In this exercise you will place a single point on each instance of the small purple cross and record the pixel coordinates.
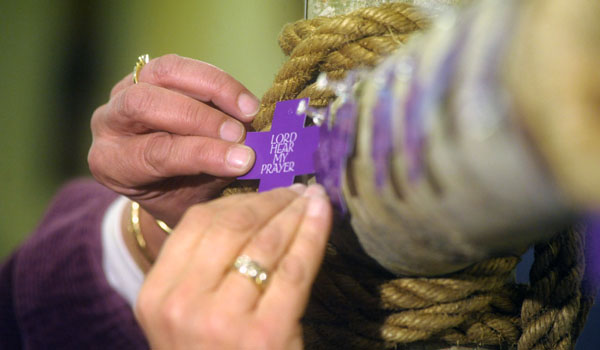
(284, 152)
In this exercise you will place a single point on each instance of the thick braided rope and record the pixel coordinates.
(335, 45)
(355, 307)
(557, 304)
(332, 45)
(368, 309)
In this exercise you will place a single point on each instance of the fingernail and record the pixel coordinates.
(298, 188)
(314, 190)
(231, 131)
(248, 104)
(316, 206)
(239, 157)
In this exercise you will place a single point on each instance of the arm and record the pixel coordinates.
(60, 296)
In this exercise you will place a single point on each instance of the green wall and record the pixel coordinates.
(48, 90)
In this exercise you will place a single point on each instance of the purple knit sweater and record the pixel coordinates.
(53, 291)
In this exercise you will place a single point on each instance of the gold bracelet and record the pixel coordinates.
(137, 232)
(164, 226)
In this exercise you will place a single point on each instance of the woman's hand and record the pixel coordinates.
(193, 299)
(172, 140)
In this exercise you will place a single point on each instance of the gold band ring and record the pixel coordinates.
(251, 269)
(141, 61)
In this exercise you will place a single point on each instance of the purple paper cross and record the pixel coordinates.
(284, 152)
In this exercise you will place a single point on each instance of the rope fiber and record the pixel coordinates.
(359, 307)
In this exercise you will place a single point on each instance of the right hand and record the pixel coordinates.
(172, 140)
(192, 299)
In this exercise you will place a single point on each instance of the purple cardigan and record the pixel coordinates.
(53, 291)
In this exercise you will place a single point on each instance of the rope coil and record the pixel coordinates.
(479, 306)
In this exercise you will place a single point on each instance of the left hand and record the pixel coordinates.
(193, 299)
(174, 139)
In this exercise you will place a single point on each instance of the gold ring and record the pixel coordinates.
(251, 269)
(141, 61)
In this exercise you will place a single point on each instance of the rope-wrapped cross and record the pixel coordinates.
(359, 307)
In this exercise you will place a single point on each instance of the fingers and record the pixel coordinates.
(177, 251)
(171, 299)
(144, 107)
(285, 298)
(124, 83)
(163, 128)
(266, 247)
(180, 271)
(156, 156)
(189, 297)
(230, 230)
(199, 80)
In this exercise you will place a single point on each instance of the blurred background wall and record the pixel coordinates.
(59, 60)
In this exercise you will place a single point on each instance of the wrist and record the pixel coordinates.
(152, 233)
(142, 235)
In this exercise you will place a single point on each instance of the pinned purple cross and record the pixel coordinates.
(284, 152)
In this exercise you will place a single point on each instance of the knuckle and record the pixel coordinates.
(100, 168)
(241, 219)
(133, 101)
(163, 68)
(220, 81)
(217, 79)
(115, 89)
(191, 115)
(156, 154)
(95, 122)
(146, 304)
(269, 239)
(210, 151)
(215, 327)
(94, 162)
(172, 312)
(293, 270)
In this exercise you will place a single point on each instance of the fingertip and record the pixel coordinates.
(298, 188)
(318, 206)
(315, 190)
(248, 104)
(240, 158)
(231, 131)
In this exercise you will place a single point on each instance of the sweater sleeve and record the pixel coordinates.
(9, 332)
(55, 286)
